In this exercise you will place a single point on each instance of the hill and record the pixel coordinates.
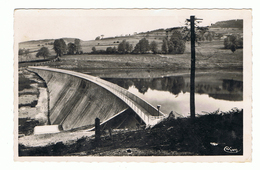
(229, 24)
(43, 41)
(215, 32)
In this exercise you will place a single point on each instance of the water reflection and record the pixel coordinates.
(225, 89)
(212, 92)
(215, 89)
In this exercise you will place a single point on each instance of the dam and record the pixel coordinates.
(76, 99)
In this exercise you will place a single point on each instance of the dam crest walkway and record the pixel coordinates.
(147, 112)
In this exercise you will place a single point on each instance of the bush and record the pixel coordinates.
(233, 42)
(109, 50)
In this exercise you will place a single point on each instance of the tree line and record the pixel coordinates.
(61, 48)
(173, 45)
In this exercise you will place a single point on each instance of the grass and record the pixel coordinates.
(209, 55)
(224, 129)
(206, 135)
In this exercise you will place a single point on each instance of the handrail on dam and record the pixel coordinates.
(147, 112)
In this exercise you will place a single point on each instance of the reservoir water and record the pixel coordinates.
(215, 90)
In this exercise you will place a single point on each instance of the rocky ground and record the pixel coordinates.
(32, 102)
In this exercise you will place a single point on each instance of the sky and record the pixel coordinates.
(87, 24)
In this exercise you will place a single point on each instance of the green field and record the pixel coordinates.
(34, 46)
(218, 30)
(209, 55)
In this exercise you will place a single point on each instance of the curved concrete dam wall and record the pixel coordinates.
(75, 102)
(76, 99)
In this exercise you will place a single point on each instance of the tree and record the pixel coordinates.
(154, 47)
(210, 37)
(125, 47)
(176, 47)
(114, 50)
(200, 33)
(24, 53)
(97, 38)
(233, 42)
(20, 52)
(109, 50)
(137, 48)
(78, 45)
(240, 42)
(59, 47)
(165, 46)
(71, 48)
(142, 46)
(227, 44)
(122, 47)
(176, 43)
(233, 48)
(130, 48)
(94, 50)
(44, 52)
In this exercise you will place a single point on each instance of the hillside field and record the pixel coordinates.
(209, 55)
(102, 44)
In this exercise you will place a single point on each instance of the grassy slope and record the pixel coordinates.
(206, 135)
(210, 55)
(156, 36)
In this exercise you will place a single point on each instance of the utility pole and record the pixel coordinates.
(192, 69)
(97, 132)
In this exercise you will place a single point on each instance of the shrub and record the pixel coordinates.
(109, 50)
(233, 42)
